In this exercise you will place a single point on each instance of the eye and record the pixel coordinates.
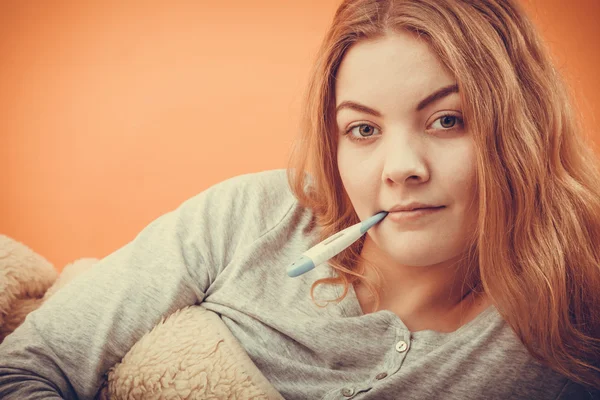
(447, 122)
(361, 131)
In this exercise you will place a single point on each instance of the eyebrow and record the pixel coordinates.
(435, 96)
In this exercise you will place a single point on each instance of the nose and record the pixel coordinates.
(405, 160)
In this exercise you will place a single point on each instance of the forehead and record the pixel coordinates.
(400, 64)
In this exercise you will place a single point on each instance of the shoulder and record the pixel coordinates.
(267, 189)
(262, 198)
(270, 182)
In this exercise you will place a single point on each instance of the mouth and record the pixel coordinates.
(413, 215)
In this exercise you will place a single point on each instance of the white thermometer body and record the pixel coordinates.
(333, 245)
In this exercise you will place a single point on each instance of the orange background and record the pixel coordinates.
(113, 113)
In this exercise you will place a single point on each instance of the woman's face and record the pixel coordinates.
(398, 145)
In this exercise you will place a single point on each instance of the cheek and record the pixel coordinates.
(464, 185)
(459, 169)
(346, 168)
(468, 177)
(358, 178)
(463, 181)
(352, 179)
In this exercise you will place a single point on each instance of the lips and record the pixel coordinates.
(414, 215)
(412, 206)
(415, 209)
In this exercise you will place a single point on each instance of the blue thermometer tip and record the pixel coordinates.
(369, 222)
(303, 265)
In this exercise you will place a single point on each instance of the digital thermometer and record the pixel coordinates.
(333, 245)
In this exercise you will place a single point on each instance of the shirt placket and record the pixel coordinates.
(393, 364)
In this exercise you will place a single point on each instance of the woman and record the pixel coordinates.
(492, 292)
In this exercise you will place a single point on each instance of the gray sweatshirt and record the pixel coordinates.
(228, 248)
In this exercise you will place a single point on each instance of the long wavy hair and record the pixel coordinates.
(537, 243)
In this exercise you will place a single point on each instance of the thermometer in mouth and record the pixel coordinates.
(333, 245)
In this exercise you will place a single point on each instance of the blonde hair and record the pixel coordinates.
(537, 244)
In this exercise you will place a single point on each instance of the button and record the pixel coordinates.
(347, 392)
(401, 346)
(381, 375)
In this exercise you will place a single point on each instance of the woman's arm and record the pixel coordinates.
(64, 348)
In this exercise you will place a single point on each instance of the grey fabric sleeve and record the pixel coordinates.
(64, 348)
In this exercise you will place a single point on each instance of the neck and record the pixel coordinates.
(437, 297)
